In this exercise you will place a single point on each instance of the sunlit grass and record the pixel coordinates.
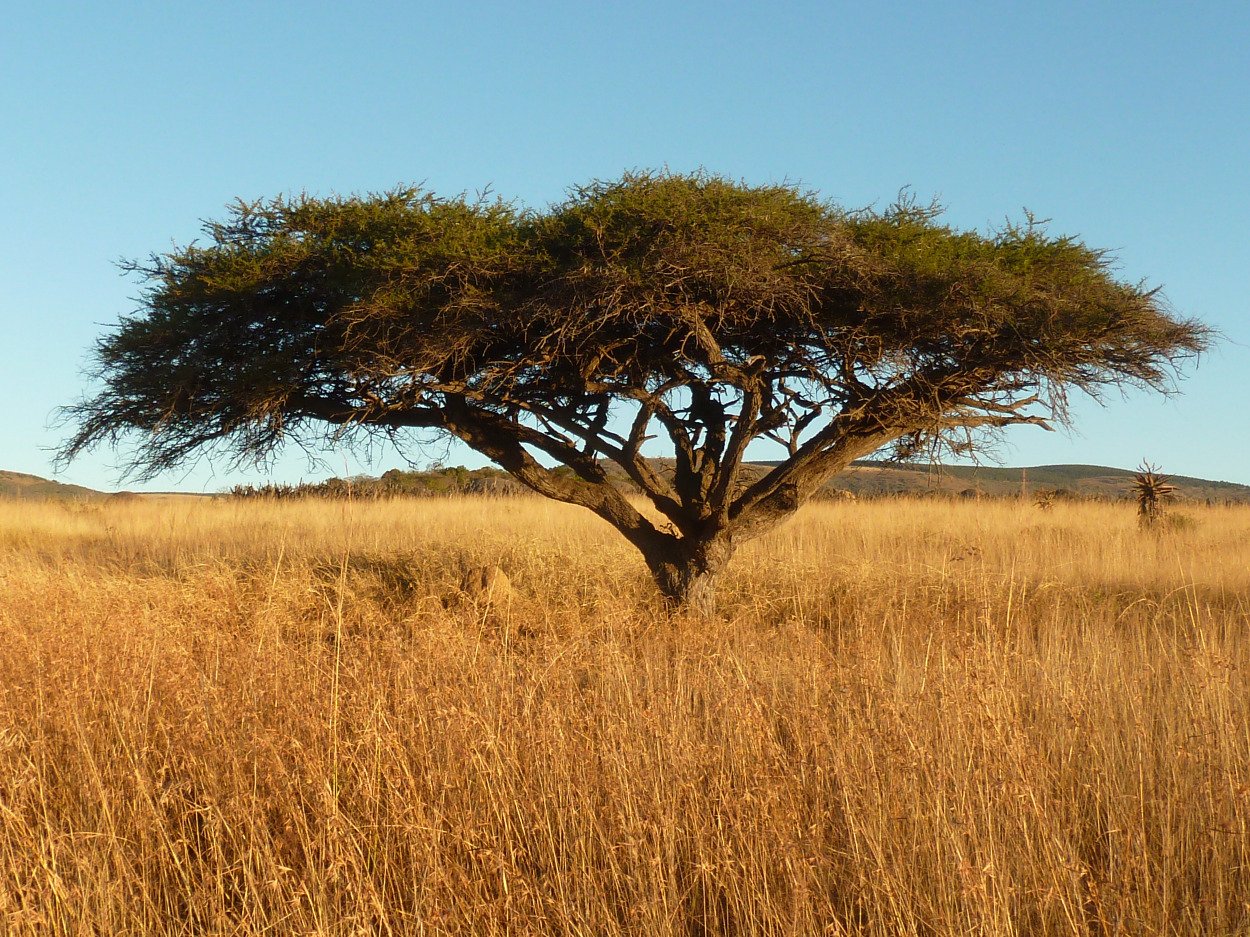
(912, 717)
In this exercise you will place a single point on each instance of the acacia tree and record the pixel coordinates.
(710, 312)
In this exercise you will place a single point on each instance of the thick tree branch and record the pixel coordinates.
(626, 455)
(497, 438)
(746, 428)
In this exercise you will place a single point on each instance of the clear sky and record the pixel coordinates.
(125, 124)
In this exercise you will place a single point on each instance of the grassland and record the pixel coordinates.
(912, 718)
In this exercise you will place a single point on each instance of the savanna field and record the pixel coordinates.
(910, 717)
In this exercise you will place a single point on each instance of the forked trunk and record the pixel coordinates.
(687, 572)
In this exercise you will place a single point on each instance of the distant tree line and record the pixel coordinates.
(458, 480)
(441, 481)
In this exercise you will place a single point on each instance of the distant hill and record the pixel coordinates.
(870, 477)
(19, 485)
(867, 478)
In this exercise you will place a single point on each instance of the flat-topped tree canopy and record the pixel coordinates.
(710, 311)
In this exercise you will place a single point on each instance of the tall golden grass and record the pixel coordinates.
(911, 718)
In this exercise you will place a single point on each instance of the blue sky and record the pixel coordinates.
(1126, 124)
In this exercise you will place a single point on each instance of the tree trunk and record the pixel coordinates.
(687, 571)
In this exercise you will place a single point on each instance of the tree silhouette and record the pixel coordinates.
(707, 312)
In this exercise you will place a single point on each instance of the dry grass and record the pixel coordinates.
(915, 718)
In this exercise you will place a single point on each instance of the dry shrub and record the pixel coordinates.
(1153, 491)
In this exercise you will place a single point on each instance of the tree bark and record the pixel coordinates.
(687, 571)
